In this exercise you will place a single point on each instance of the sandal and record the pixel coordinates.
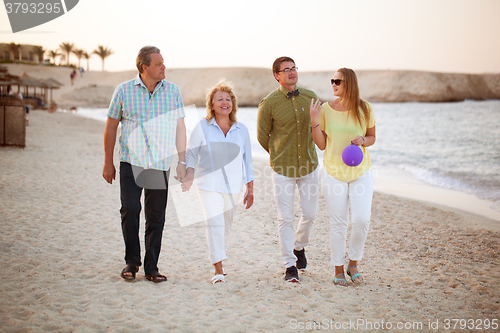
(132, 269)
(355, 275)
(218, 278)
(340, 282)
(156, 277)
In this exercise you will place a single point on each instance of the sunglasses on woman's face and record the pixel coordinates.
(336, 82)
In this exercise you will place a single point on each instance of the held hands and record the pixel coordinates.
(314, 110)
(181, 172)
(358, 141)
(187, 181)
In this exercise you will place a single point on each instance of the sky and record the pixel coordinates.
(460, 36)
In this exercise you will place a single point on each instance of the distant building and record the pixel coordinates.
(27, 53)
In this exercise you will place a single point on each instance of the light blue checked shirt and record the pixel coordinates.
(148, 122)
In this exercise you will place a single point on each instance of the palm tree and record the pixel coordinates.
(40, 52)
(15, 49)
(79, 54)
(67, 47)
(103, 52)
(54, 55)
(87, 56)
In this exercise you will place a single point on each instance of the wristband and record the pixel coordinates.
(315, 126)
(182, 162)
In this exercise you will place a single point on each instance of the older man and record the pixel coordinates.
(151, 113)
(284, 131)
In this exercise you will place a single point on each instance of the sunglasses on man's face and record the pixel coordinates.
(336, 82)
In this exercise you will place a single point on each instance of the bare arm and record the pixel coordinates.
(318, 135)
(369, 138)
(180, 144)
(110, 130)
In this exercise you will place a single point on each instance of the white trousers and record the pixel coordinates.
(284, 194)
(219, 209)
(338, 195)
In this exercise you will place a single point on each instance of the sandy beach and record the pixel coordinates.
(62, 250)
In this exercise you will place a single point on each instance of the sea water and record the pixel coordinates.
(450, 145)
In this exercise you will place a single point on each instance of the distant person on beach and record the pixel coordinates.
(222, 146)
(19, 96)
(152, 115)
(72, 76)
(81, 71)
(336, 124)
(284, 131)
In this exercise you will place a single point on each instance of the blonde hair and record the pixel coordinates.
(352, 100)
(223, 86)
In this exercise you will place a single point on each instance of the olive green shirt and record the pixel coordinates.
(284, 131)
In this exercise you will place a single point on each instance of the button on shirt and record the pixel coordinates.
(284, 131)
(222, 163)
(148, 122)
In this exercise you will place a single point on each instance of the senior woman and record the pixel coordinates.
(335, 125)
(219, 150)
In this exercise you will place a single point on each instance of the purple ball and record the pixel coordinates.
(352, 155)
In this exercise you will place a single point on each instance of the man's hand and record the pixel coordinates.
(109, 173)
(181, 172)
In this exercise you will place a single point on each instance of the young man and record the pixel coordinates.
(284, 131)
(151, 112)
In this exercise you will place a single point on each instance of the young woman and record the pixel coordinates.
(219, 150)
(335, 125)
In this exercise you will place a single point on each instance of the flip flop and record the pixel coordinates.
(156, 277)
(338, 282)
(132, 269)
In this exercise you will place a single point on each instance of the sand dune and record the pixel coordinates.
(95, 89)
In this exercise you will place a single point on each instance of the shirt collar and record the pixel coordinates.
(285, 91)
(138, 81)
(213, 122)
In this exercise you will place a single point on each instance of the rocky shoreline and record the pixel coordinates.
(95, 89)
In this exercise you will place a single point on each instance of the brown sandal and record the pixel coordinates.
(132, 269)
(156, 277)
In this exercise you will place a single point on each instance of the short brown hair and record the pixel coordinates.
(277, 63)
(223, 86)
(144, 56)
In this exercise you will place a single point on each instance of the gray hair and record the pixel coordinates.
(144, 56)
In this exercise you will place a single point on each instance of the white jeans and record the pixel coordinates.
(284, 194)
(339, 194)
(219, 211)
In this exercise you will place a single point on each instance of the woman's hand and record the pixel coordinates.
(248, 199)
(187, 181)
(358, 141)
(314, 110)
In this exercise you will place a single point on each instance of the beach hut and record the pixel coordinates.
(50, 84)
